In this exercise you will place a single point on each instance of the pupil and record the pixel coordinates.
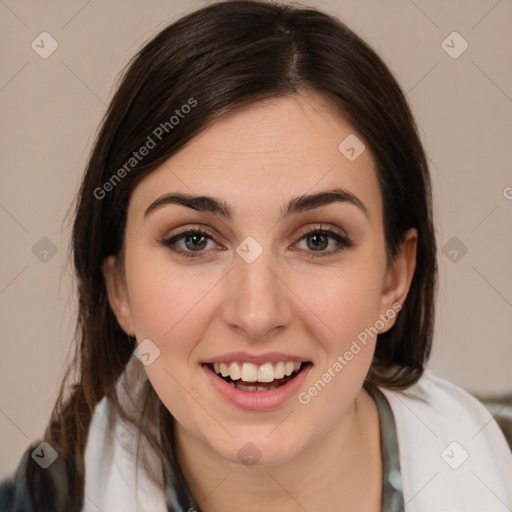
(315, 246)
(193, 245)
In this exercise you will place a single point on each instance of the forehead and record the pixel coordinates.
(265, 153)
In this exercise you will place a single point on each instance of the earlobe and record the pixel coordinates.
(399, 277)
(117, 294)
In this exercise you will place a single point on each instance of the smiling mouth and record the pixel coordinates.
(252, 377)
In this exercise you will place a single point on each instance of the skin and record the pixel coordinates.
(321, 455)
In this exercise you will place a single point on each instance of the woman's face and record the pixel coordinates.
(274, 279)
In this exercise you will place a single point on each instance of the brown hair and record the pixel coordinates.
(224, 56)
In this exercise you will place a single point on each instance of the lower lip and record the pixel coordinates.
(257, 400)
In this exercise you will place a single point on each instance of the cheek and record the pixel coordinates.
(345, 301)
(170, 307)
(164, 299)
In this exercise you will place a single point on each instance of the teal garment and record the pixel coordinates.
(392, 490)
(34, 489)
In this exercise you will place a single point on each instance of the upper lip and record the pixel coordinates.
(246, 357)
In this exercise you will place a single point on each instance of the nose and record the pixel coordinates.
(257, 303)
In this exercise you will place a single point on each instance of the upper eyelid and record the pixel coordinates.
(319, 227)
(193, 230)
(323, 227)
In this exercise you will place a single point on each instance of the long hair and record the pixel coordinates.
(216, 59)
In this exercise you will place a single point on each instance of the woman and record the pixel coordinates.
(256, 261)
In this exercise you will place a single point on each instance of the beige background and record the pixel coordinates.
(51, 108)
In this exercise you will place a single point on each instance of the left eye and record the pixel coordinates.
(317, 240)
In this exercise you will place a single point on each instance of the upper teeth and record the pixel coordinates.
(250, 372)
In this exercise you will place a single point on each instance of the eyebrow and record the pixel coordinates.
(222, 209)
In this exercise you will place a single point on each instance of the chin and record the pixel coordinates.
(263, 449)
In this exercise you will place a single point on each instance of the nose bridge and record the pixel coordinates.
(257, 302)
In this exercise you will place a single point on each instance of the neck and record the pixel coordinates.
(342, 471)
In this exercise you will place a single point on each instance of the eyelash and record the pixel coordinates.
(343, 241)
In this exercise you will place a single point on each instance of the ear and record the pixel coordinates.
(398, 279)
(117, 294)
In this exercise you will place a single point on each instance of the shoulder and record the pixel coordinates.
(18, 492)
(41, 485)
(450, 446)
(7, 492)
